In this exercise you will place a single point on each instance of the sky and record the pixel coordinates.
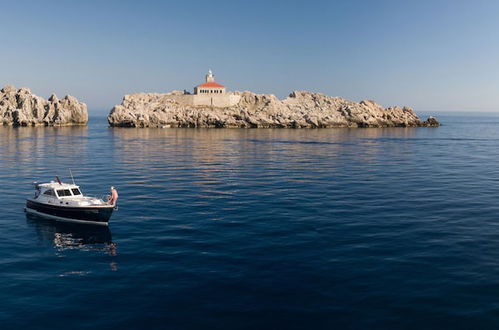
(438, 55)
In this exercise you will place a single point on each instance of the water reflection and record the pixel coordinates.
(216, 146)
(216, 156)
(217, 135)
(65, 236)
(220, 163)
(41, 146)
(26, 140)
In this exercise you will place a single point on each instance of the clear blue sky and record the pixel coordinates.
(431, 55)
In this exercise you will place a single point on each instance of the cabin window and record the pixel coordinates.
(49, 192)
(64, 192)
(76, 191)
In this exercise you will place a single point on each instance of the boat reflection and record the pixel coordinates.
(67, 236)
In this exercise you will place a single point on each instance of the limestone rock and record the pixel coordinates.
(431, 122)
(19, 107)
(301, 109)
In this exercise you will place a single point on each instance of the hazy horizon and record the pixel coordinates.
(429, 55)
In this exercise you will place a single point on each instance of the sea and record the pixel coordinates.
(369, 228)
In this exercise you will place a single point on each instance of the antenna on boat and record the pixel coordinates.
(72, 176)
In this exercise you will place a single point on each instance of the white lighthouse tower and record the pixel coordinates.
(210, 77)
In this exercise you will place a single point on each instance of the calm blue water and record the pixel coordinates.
(257, 229)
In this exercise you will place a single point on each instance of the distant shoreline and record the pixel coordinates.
(302, 109)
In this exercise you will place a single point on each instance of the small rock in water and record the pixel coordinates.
(431, 122)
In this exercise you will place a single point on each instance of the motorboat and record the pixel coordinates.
(65, 202)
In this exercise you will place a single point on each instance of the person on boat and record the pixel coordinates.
(114, 196)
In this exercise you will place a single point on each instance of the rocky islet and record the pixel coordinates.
(20, 107)
(302, 109)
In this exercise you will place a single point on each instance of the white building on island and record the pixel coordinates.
(209, 86)
(209, 93)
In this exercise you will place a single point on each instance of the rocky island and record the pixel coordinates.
(301, 109)
(212, 106)
(19, 107)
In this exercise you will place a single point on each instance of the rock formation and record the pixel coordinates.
(19, 107)
(300, 109)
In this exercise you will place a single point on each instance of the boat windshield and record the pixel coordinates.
(76, 191)
(49, 192)
(64, 192)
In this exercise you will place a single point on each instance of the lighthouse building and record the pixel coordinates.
(209, 93)
(209, 86)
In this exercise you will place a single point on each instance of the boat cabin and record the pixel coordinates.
(57, 190)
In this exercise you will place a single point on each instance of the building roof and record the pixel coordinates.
(211, 84)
